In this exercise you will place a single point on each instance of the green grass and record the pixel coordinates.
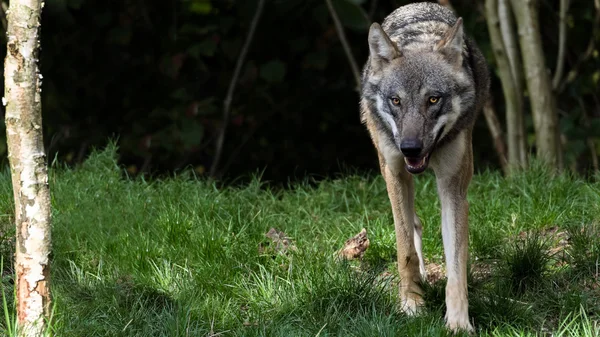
(180, 257)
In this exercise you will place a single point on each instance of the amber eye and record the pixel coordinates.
(395, 100)
(433, 99)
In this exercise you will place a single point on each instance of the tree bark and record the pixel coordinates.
(28, 166)
(497, 136)
(512, 96)
(234, 79)
(342, 36)
(562, 44)
(545, 116)
(509, 37)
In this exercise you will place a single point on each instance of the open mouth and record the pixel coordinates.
(416, 165)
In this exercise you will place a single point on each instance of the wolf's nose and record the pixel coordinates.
(411, 147)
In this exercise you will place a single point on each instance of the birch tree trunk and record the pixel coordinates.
(545, 116)
(28, 166)
(512, 95)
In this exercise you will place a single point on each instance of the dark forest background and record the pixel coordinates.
(153, 75)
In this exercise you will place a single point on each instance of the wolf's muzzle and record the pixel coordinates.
(411, 147)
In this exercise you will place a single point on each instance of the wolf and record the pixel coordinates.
(422, 88)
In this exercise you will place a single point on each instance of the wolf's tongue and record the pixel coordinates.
(414, 162)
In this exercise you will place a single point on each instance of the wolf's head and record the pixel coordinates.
(418, 94)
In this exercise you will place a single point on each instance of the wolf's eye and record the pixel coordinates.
(433, 99)
(395, 101)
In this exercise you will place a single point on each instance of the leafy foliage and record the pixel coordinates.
(155, 75)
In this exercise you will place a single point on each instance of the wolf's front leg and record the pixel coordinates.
(455, 209)
(454, 169)
(401, 193)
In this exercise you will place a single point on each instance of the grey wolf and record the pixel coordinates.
(423, 86)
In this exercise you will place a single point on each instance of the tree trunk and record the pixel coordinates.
(545, 116)
(512, 96)
(28, 166)
(509, 37)
(496, 132)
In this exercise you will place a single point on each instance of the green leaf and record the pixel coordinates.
(191, 133)
(75, 4)
(231, 48)
(120, 35)
(201, 7)
(299, 45)
(595, 127)
(102, 19)
(596, 75)
(273, 71)
(316, 59)
(351, 14)
(204, 48)
(180, 94)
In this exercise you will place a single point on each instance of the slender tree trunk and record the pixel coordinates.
(28, 166)
(589, 140)
(545, 116)
(562, 44)
(511, 46)
(342, 36)
(512, 96)
(496, 132)
(232, 85)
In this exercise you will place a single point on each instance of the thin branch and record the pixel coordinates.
(496, 132)
(447, 4)
(344, 41)
(273, 108)
(3, 9)
(515, 139)
(572, 75)
(516, 126)
(589, 140)
(511, 47)
(372, 9)
(562, 43)
(232, 84)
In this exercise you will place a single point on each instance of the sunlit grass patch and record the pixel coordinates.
(185, 257)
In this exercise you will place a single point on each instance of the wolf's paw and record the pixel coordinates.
(457, 325)
(412, 306)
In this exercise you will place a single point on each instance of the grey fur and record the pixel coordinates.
(423, 85)
(415, 30)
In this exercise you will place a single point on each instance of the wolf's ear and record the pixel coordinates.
(451, 45)
(381, 48)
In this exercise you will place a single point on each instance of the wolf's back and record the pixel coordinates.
(418, 25)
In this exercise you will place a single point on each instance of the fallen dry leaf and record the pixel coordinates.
(355, 247)
(280, 243)
(435, 272)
